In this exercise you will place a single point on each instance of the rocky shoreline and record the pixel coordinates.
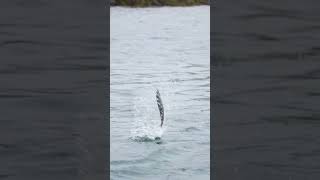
(147, 3)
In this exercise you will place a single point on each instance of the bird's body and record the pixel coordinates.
(160, 106)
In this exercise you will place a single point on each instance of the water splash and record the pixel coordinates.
(146, 123)
(146, 116)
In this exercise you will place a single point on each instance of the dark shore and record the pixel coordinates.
(148, 3)
(266, 97)
(53, 93)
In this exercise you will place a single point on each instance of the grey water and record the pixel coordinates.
(53, 90)
(165, 48)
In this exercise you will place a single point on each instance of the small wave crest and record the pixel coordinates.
(190, 129)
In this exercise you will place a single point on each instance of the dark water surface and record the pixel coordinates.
(267, 96)
(53, 90)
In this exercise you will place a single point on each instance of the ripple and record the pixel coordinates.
(191, 129)
(153, 55)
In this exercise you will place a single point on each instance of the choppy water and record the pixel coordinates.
(266, 104)
(169, 49)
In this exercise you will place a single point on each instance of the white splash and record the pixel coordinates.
(146, 122)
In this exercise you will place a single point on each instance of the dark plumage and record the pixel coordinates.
(160, 106)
